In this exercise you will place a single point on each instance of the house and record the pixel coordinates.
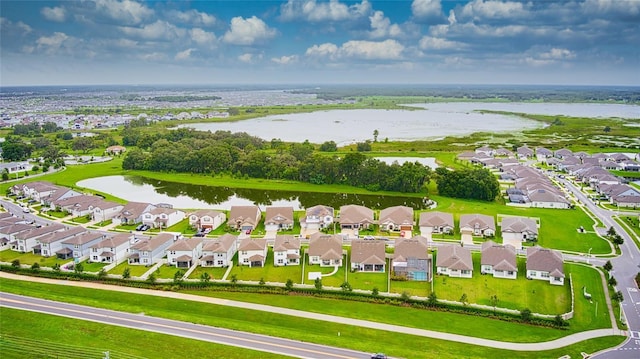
(435, 222)
(106, 210)
(368, 256)
(454, 261)
(184, 252)
(50, 243)
(112, 249)
(278, 219)
(500, 261)
(355, 217)
(115, 150)
(546, 198)
(131, 213)
(10, 231)
(244, 218)
(79, 246)
(37, 190)
(162, 217)
(325, 250)
(411, 260)
(15, 167)
(149, 251)
(397, 218)
(517, 229)
(207, 219)
(478, 225)
(524, 152)
(545, 264)
(286, 250)
(219, 252)
(77, 206)
(563, 153)
(28, 240)
(252, 252)
(317, 218)
(503, 152)
(484, 150)
(543, 153)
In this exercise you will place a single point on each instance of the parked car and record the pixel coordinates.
(206, 230)
(139, 227)
(378, 356)
(26, 209)
(145, 227)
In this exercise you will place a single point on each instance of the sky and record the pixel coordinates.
(85, 42)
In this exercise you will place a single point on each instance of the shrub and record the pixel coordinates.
(15, 263)
(289, 285)
(126, 273)
(375, 292)
(525, 315)
(35, 266)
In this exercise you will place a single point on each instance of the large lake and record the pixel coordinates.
(433, 121)
(190, 196)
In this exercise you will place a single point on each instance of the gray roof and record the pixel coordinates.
(454, 257)
(220, 245)
(83, 238)
(436, 219)
(409, 248)
(519, 225)
(206, 212)
(500, 257)
(319, 211)
(397, 215)
(483, 221)
(354, 213)
(249, 244)
(368, 252)
(545, 260)
(60, 235)
(326, 246)
(185, 244)
(133, 209)
(154, 242)
(250, 214)
(37, 232)
(115, 241)
(285, 242)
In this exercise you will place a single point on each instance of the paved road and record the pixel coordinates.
(625, 268)
(258, 342)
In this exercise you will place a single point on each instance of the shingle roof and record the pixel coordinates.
(454, 257)
(325, 246)
(519, 225)
(220, 245)
(285, 242)
(409, 248)
(283, 215)
(354, 213)
(58, 236)
(483, 221)
(185, 244)
(397, 215)
(436, 219)
(319, 211)
(83, 238)
(153, 243)
(500, 257)
(545, 260)
(249, 244)
(368, 252)
(250, 214)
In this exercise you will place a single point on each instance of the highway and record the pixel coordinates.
(280, 346)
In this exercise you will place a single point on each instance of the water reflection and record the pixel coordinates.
(184, 195)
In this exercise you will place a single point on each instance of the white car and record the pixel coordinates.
(26, 209)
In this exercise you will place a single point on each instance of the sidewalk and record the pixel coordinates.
(553, 344)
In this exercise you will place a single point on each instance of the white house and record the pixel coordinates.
(207, 218)
(27, 240)
(132, 212)
(106, 210)
(397, 218)
(219, 252)
(278, 219)
(545, 264)
(286, 251)
(49, 244)
(252, 252)
(517, 229)
(325, 250)
(149, 251)
(112, 249)
(499, 261)
(368, 256)
(10, 233)
(317, 218)
(161, 217)
(454, 261)
(79, 246)
(183, 253)
(435, 222)
(476, 225)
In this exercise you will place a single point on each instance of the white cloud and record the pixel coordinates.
(356, 49)
(381, 26)
(153, 56)
(481, 9)
(436, 43)
(246, 58)
(184, 55)
(192, 17)
(314, 11)
(558, 54)
(322, 50)
(285, 60)
(202, 37)
(58, 42)
(57, 14)
(123, 11)
(426, 8)
(248, 31)
(159, 30)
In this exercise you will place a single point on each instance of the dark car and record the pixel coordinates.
(139, 227)
(378, 356)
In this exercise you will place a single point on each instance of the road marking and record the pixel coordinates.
(151, 324)
(632, 290)
(634, 334)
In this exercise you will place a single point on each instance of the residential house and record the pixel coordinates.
(499, 261)
(50, 243)
(484, 150)
(252, 252)
(368, 256)
(112, 249)
(545, 264)
(278, 219)
(131, 213)
(106, 210)
(10, 231)
(38, 190)
(478, 225)
(244, 218)
(115, 150)
(77, 206)
(207, 219)
(524, 152)
(286, 250)
(411, 260)
(219, 252)
(503, 152)
(563, 153)
(454, 261)
(355, 217)
(517, 229)
(162, 217)
(79, 246)
(184, 252)
(435, 222)
(28, 240)
(149, 251)
(397, 218)
(15, 167)
(317, 218)
(543, 153)
(325, 250)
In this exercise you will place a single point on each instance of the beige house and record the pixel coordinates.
(278, 219)
(219, 252)
(317, 218)
(368, 256)
(244, 218)
(286, 251)
(354, 218)
(411, 260)
(499, 261)
(545, 264)
(476, 225)
(454, 261)
(252, 252)
(162, 217)
(132, 212)
(207, 218)
(397, 218)
(435, 223)
(325, 250)
(518, 229)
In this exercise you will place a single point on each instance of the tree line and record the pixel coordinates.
(471, 184)
(242, 155)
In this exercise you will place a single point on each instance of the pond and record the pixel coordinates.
(431, 122)
(190, 196)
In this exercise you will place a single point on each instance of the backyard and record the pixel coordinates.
(30, 258)
(134, 270)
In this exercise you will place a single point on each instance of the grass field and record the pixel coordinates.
(30, 258)
(134, 270)
(215, 273)
(92, 266)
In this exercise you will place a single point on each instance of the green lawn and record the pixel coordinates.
(80, 220)
(333, 281)
(134, 270)
(539, 296)
(30, 258)
(412, 288)
(269, 272)
(168, 271)
(93, 266)
(57, 214)
(215, 273)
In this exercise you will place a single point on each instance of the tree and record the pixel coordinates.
(618, 240)
(494, 302)
(5, 175)
(289, 285)
(35, 266)
(234, 279)
(363, 146)
(617, 296)
(375, 135)
(126, 273)
(177, 277)
(205, 277)
(469, 183)
(84, 144)
(608, 266)
(78, 268)
(607, 129)
(329, 146)
(15, 149)
(346, 287)
(558, 321)
(375, 291)
(56, 267)
(318, 283)
(611, 232)
(432, 300)
(102, 273)
(67, 136)
(262, 282)
(152, 278)
(525, 315)
(50, 127)
(464, 299)
(612, 281)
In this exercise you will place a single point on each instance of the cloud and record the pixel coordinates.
(481, 9)
(435, 43)
(381, 26)
(285, 60)
(424, 9)
(248, 31)
(314, 11)
(358, 49)
(192, 17)
(202, 37)
(56, 44)
(159, 30)
(246, 58)
(57, 14)
(184, 55)
(558, 54)
(125, 12)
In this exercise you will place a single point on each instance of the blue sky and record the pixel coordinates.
(594, 42)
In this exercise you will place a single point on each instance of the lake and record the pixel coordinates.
(190, 196)
(434, 121)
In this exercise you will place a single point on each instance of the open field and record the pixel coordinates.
(215, 273)
(30, 258)
(134, 270)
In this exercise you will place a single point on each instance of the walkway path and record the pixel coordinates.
(553, 344)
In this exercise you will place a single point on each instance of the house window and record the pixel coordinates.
(246, 260)
(510, 272)
(280, 261)
(466, 271)
(220, 262)
(94, 250)
(95, 258)
(145, 253)
(219, 255)
(144, 260)
(244, 253)
(76, 246)
(545, 275)
(173, 253)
